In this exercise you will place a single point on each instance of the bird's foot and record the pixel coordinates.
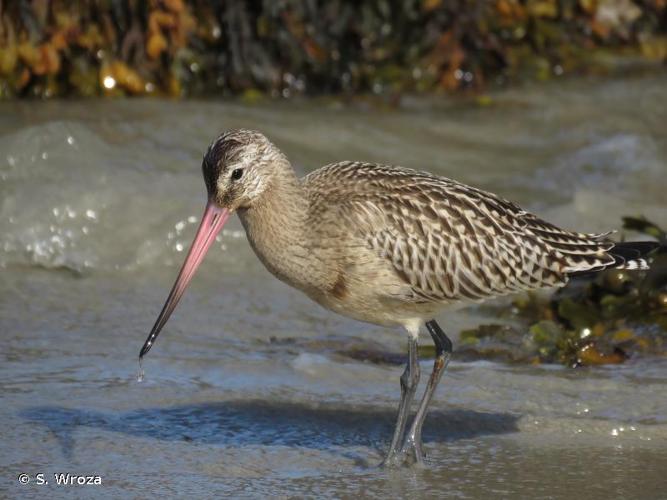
(393, 459)
(410, 454)
(412, 451)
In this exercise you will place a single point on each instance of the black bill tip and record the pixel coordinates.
(147, 345)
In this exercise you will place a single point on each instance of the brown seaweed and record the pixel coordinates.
(281, 49)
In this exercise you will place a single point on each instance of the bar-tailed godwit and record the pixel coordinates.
(386, 245)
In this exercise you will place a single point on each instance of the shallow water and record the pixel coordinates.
(246, 393)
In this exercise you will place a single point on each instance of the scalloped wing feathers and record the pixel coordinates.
(448, 241)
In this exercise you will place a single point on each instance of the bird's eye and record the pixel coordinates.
(237, 174)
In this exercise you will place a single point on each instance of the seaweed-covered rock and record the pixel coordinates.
(176, 47)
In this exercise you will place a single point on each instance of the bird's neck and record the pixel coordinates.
(276, 228)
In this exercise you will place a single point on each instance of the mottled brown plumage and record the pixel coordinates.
(386, 245)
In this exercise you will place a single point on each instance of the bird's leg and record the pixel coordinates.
(409, 382)
(443, 351)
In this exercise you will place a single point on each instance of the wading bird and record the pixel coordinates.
(386, 245)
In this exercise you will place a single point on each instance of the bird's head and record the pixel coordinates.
(239, 168)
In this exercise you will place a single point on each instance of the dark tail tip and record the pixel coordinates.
(630, 254)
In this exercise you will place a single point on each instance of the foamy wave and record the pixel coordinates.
(69, 199)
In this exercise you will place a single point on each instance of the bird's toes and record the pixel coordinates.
(393, 460)
(413, 453)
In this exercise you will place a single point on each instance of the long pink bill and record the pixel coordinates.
(211, 223)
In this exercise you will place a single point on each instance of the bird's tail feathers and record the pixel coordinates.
(630, 254)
